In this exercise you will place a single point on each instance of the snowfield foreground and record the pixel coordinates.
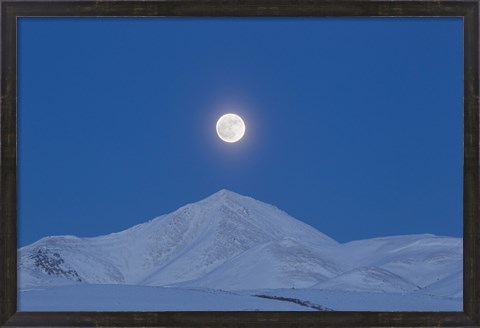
(231, 252)
(151, 298)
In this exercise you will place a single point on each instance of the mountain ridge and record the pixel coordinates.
(229, 241)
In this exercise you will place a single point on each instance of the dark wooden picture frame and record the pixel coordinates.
(11, 10)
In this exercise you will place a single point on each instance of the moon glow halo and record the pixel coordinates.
(230, 128)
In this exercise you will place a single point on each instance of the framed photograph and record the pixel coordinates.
(223, 163)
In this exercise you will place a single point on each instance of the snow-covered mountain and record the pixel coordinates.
(233, 242)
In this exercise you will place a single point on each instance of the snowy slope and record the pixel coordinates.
(276, 264)
(369, 279)
(420, 259)
(339, 300)
(449, 287)
(151, 298)
(143, 298)
(233, 224)
(184, 245)
(232, 242)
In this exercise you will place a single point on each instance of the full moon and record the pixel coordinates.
(230, 128)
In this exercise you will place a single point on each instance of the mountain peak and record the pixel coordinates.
(224, 194)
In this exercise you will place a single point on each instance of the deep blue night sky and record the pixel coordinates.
(354, 126)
